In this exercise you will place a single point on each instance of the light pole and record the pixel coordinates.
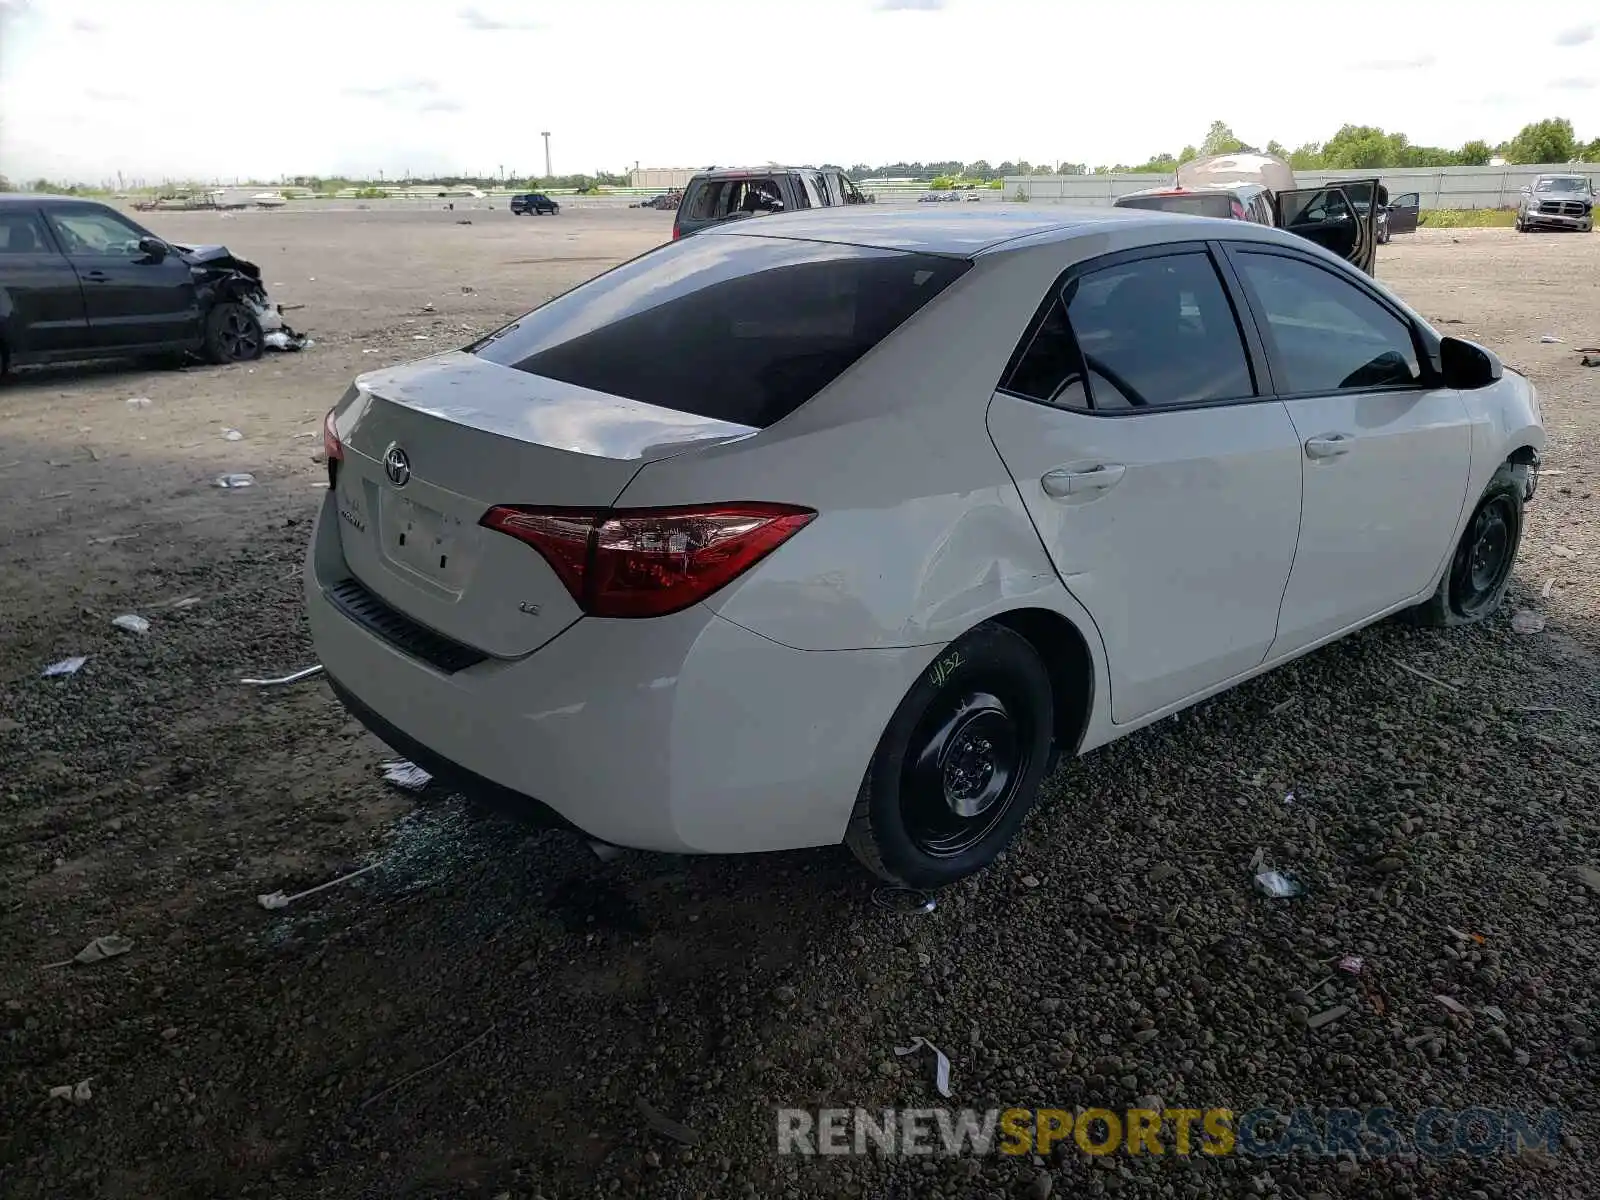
(547, 172)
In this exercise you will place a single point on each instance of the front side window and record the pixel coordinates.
(740, 329)
(1325, 333)
(1316, 207)
(88, 231)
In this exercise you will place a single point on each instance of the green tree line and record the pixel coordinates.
(1552, 140)
(1353, 146)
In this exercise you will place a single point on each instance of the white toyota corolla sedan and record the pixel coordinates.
(842, 525)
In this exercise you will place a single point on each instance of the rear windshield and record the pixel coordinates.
(741, 329)
(1198, 204)
(716, 199)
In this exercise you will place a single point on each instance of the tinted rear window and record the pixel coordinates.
(1196, 204)
(737, 329)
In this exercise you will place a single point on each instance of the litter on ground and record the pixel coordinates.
(941, 1064)
(1277, 885)
(109, 945)
(404, 774)
(279, 900)
(131, 623)
(283, 680)
(67, 666)
(237, 479)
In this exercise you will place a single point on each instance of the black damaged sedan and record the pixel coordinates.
(79, 280)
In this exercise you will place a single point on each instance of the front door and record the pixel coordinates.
(132, 298)
(1404, 212)
(1385, 452)
(1330, 217)
(1166, 490)
(46, 314)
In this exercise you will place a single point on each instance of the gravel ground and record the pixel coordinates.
(480, 1013)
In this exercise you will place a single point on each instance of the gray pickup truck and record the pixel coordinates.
(1557, 202)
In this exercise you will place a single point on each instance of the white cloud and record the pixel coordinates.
(1578, 35)
(477, 19)
(1415, 63)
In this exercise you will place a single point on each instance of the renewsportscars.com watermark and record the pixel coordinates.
(1211, 1132)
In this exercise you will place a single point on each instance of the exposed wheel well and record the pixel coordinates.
(1066, 656)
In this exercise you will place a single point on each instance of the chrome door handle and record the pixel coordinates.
(1062, 482)
(1329, 445)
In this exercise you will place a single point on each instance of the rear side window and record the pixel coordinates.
(741, 329)
(1151, 333)
(22, 232)
(715, 199)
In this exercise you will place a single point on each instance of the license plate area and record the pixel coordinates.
(423, 540)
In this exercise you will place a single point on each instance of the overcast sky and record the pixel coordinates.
(224, 88)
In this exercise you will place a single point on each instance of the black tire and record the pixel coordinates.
(233, 334)
(974, 730)
(1475, 582)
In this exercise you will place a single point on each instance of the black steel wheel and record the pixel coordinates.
(1479, 573)
(959, 765)
(233, 334)
(961, 772)
(1483, 560)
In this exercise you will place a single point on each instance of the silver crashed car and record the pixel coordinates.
(1557, 202)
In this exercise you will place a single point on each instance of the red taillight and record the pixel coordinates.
(648, 562)
(674, 228)
(331, 445)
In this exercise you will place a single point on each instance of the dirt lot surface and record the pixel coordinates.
(480, 1013)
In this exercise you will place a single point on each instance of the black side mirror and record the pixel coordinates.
(1467, 365)
(153, 247)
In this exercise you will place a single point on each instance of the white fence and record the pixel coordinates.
(1439, 187)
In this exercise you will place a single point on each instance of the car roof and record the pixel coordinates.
(20, 198)
(963, 234)
(744, 172)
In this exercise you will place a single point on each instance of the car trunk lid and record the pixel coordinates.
(431, 446)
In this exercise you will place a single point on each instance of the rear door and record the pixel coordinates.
(1165, 488)
(131, 298)
(1385, 450)
(1404, 211)
(1329, 217)
(41, 300)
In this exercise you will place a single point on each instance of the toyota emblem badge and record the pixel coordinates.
(397, 466)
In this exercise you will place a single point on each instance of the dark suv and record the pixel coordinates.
(726, 195)
(536, 203)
